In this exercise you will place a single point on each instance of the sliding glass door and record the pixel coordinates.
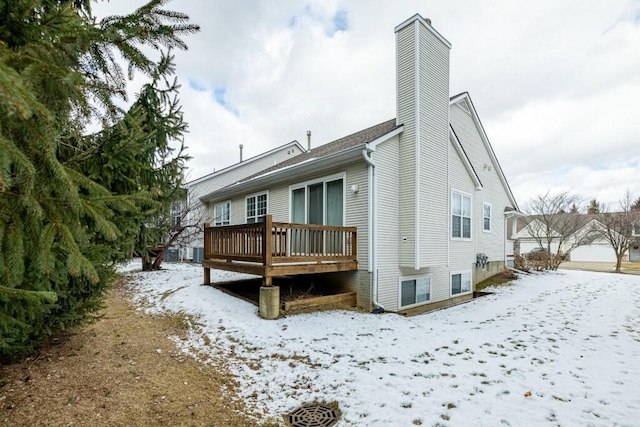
(321, 203)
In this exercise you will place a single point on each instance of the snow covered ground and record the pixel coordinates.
(554, 349)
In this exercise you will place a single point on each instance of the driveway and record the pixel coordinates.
(605, 267)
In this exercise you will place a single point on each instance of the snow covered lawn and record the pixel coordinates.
(571, 339)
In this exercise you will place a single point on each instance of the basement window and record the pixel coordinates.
(414, 290)
(460, 282)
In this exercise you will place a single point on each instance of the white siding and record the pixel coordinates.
(462, 252)
(406, 87)
(387, 158)
(492, 244)
(434, 144)
(423, 105)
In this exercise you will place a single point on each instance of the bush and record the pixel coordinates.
(541, 261)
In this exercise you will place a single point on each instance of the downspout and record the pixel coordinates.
(373, 227)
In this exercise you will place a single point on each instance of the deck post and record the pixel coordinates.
(354, 245)
(207, 245)
(266, 247)
(269, 302)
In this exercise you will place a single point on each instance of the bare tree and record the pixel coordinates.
(182, 224)
(617, 227)
(555, 221)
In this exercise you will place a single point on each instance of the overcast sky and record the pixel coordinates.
(556, 83)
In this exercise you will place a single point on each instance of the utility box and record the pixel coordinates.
(171, 255)
(198, 255)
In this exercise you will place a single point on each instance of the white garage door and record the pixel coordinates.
(593, 253)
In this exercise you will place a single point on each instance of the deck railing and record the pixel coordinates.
(270, 243)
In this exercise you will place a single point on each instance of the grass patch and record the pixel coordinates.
(501, 279)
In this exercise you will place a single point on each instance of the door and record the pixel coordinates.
(320, 203)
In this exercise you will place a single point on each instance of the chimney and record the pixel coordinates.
(422, 87)
(241, 146)
(308, 140)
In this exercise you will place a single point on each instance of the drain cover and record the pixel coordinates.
(313, 415)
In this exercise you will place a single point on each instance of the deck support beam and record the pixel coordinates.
(207, 276)
(269, 302)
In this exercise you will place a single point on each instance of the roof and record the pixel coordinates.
(582, 219)
(340, 148)
(359, 138)
(244, 162)
(322, 152)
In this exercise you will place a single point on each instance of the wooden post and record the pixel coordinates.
(354, 245)
(267, 226)
(207, 249)
(266, 240)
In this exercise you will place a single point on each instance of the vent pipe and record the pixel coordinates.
(241, 146)
(308, 140)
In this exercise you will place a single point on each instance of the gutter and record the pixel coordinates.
(373, 226)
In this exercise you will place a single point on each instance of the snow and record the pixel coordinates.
(571, 339)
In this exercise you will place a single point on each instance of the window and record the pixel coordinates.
(176, 213)
(635, 230)
(414, 290)
(486, 217)
(221, 214)
(460, 282)
(256, 207)
(319, 202)
(460, 215)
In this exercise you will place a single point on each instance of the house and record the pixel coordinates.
(593, 249)
(218, 179)
(634, 246)
(409, 213)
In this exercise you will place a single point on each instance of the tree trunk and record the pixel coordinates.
(157, 263)
(618, 262)
(146, 262)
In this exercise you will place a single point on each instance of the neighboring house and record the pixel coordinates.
(597, 250)
(634, 247)
(524, 231)
(218, 179)
(424, 190)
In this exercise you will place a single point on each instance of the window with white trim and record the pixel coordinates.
(635, 230)
(256, 207)
(460, 282)
(460, 215)
(486, 217)
(222, 213)
(321, 201)
(414, 290)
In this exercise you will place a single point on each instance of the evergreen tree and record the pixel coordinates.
(594, 207)
(62, 227)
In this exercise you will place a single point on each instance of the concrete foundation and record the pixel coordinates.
(269, 302)
(484, 272)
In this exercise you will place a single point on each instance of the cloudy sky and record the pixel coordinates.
(556, 83)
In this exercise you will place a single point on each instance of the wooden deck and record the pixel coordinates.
(270, 249)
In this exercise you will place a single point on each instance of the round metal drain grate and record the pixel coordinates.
(313, 415)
